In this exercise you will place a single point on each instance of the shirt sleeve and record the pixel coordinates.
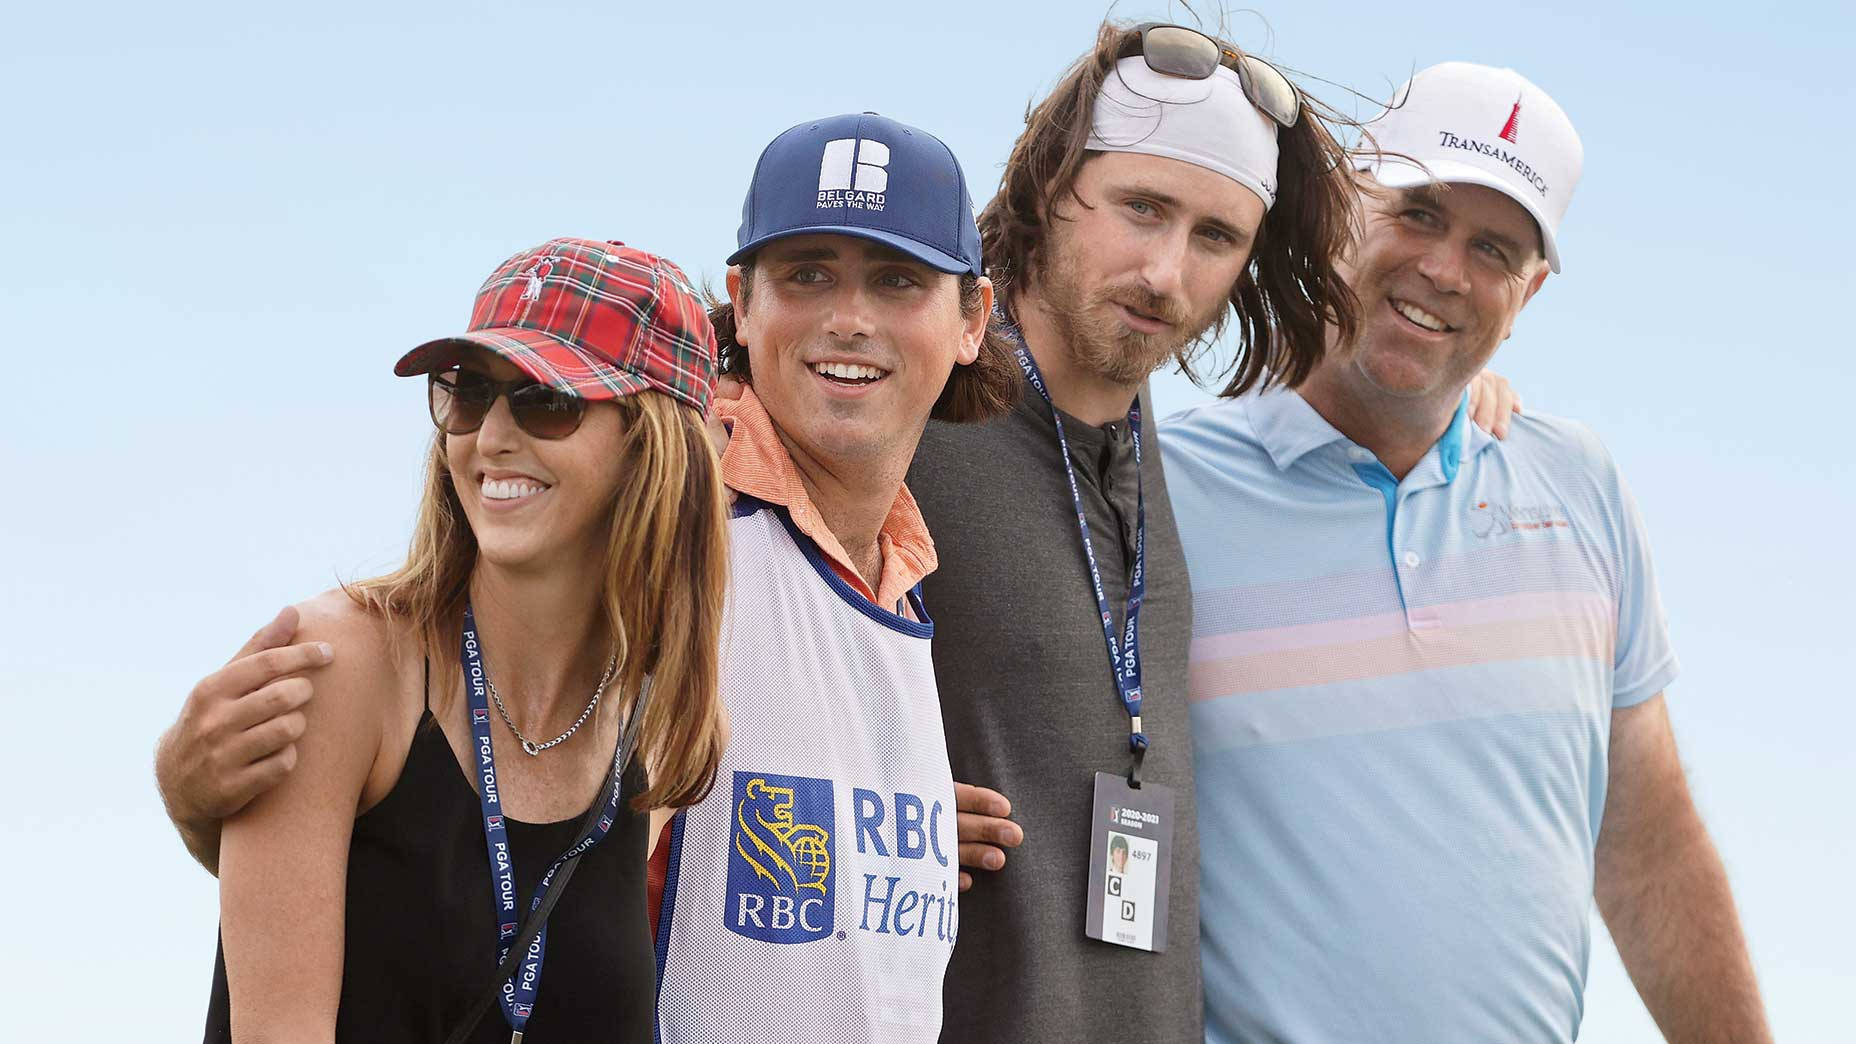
(1645, 663)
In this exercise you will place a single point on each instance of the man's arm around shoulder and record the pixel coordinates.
(283, 880)
(237, 734)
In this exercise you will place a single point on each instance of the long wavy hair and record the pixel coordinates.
(1289, 293)
(663, 587)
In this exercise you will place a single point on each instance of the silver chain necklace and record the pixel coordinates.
(529, 746)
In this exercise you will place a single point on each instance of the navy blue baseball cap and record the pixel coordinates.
(867, 176)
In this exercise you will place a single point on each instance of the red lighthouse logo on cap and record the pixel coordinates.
(1514, 122)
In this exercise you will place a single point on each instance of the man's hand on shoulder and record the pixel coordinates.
(985, 830)
(236, 734)
(1493, 402)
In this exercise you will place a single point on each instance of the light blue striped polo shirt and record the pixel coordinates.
(1401, 702)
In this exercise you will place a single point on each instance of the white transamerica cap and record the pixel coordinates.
(1479, 125)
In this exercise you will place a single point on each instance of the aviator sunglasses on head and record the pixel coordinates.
(460, 399)
(1174, 50)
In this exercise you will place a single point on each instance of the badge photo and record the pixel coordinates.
(1130, 841)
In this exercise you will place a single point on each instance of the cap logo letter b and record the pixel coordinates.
(846, 166)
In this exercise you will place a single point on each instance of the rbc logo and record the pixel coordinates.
(780, 859)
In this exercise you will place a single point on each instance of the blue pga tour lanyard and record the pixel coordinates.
(518, 992)
(1124, 656)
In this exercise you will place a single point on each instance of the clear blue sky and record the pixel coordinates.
(223, 222)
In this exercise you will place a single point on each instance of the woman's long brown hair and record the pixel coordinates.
(663, 587)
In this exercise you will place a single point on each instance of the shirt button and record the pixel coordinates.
(1360, 453)
(1412, 560)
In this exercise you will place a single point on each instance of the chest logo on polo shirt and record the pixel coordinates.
(780, 858)
(1490, 519)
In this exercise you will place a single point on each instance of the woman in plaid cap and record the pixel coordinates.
(562, 600)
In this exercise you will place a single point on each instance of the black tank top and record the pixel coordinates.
(421, 939)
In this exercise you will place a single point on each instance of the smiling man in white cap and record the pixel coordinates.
(1426, 665)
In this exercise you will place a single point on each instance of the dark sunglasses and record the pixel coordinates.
(1174, 50)
(461, 399)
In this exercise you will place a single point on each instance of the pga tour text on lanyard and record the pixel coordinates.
(518, 992)
(1124, 656)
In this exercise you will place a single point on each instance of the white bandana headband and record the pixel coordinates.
(1208, 123)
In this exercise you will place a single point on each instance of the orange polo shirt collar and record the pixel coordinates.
(758, 465)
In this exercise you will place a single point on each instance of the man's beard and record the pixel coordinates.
(1098, 342)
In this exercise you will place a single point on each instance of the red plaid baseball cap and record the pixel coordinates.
(596, 320)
